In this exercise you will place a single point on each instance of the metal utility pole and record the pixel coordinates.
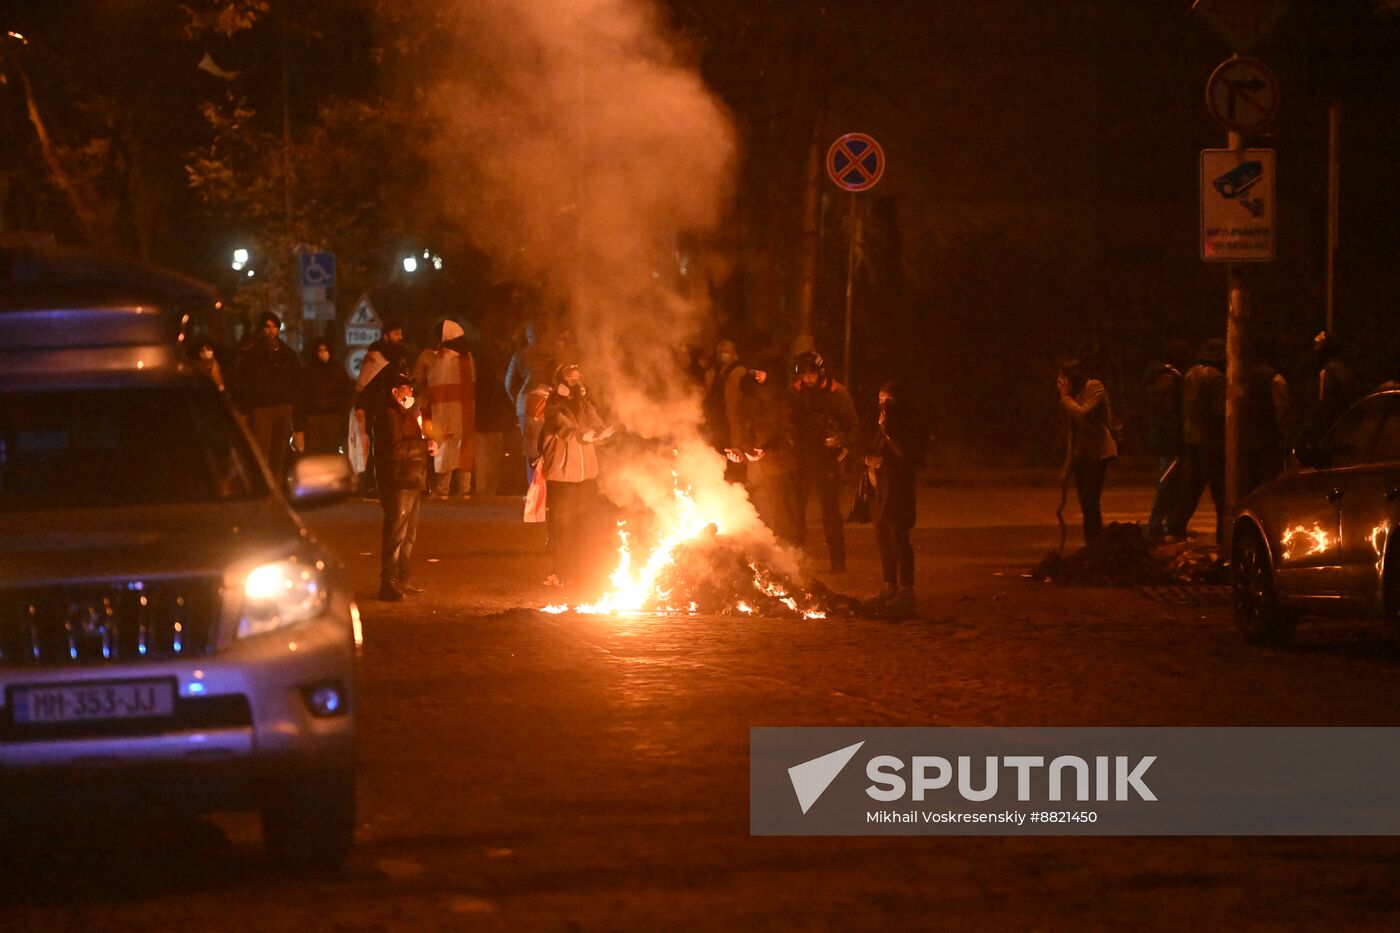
(1334, 123)
(851, 260)
(811, 240)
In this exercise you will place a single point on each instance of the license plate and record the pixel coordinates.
(87, 702)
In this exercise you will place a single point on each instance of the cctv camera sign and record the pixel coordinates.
(1237, 205)
(1060, 781)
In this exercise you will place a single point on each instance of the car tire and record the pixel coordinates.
(1258, 616)
(309, 822)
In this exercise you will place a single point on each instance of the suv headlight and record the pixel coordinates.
(282, 593)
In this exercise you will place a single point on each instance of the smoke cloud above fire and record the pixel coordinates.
(581, 152)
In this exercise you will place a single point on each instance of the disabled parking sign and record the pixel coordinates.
(1237, 205)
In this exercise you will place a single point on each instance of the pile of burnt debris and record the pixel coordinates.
(1126, 555)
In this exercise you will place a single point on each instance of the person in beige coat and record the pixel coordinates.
(1091, 447)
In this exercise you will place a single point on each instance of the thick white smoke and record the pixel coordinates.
(581, 152)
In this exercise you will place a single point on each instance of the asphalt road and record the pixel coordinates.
(524, 771)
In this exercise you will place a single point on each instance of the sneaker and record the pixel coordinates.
(408, 588)
(388, 594)
(885, 595)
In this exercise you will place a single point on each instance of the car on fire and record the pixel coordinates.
(1315, 541)
(171, 636)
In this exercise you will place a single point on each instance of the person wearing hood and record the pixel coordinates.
(267, 384)
(326, 390)
(383, 361)
(1090, 447)
(449, 410)
(1203, 405)
(401, 465)
(766, 444)
(527, 377)
(826, 426)
(572, 429)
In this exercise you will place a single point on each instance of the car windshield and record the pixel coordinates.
(93, 447)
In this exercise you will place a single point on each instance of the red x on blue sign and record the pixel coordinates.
(855, 162)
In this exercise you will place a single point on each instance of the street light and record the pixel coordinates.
(410, 264)
(240, 259)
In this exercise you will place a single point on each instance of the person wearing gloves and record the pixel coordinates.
(572, 429)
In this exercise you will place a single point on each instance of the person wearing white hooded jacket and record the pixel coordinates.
(449, 411)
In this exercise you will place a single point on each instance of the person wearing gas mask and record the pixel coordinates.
(326, 389)
(401, 467)
(891, 463)
(572, 429)
(826, 425)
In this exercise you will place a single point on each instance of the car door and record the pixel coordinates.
(1308, 541)
(1371, 506)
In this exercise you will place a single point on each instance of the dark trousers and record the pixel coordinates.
(569, 511)
(1164, 504)
(271, 427)
(1204, 468)
(401, 507)
(827, 483)
(896, 553)
(1089, 477)
(771, 494)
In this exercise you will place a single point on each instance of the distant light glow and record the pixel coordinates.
(410, 264)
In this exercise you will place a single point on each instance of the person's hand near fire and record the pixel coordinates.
(597, 437)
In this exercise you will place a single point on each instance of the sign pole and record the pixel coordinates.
(1236, 385)
(1334, 119)
(850, 284)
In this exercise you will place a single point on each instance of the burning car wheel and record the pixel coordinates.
(1258, 616)
(309, 823)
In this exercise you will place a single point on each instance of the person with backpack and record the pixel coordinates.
(1091, 446)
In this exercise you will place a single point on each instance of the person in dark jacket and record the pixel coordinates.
(401, 468)
(266, 388)
(826, 426)
(326, 390)
(528, 371)
(1267, 415)
(721, 406)
(1203, 403)
(1162, 390)
(892, 462)
(767, 443)
(494, 411)
(1337, 386)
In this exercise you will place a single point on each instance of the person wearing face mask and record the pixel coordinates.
(766, 444)
(892, 461)
(721, 406)
(401, 467)
(326, 389)
(572, 429)
(207, 364)
(266, 387)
